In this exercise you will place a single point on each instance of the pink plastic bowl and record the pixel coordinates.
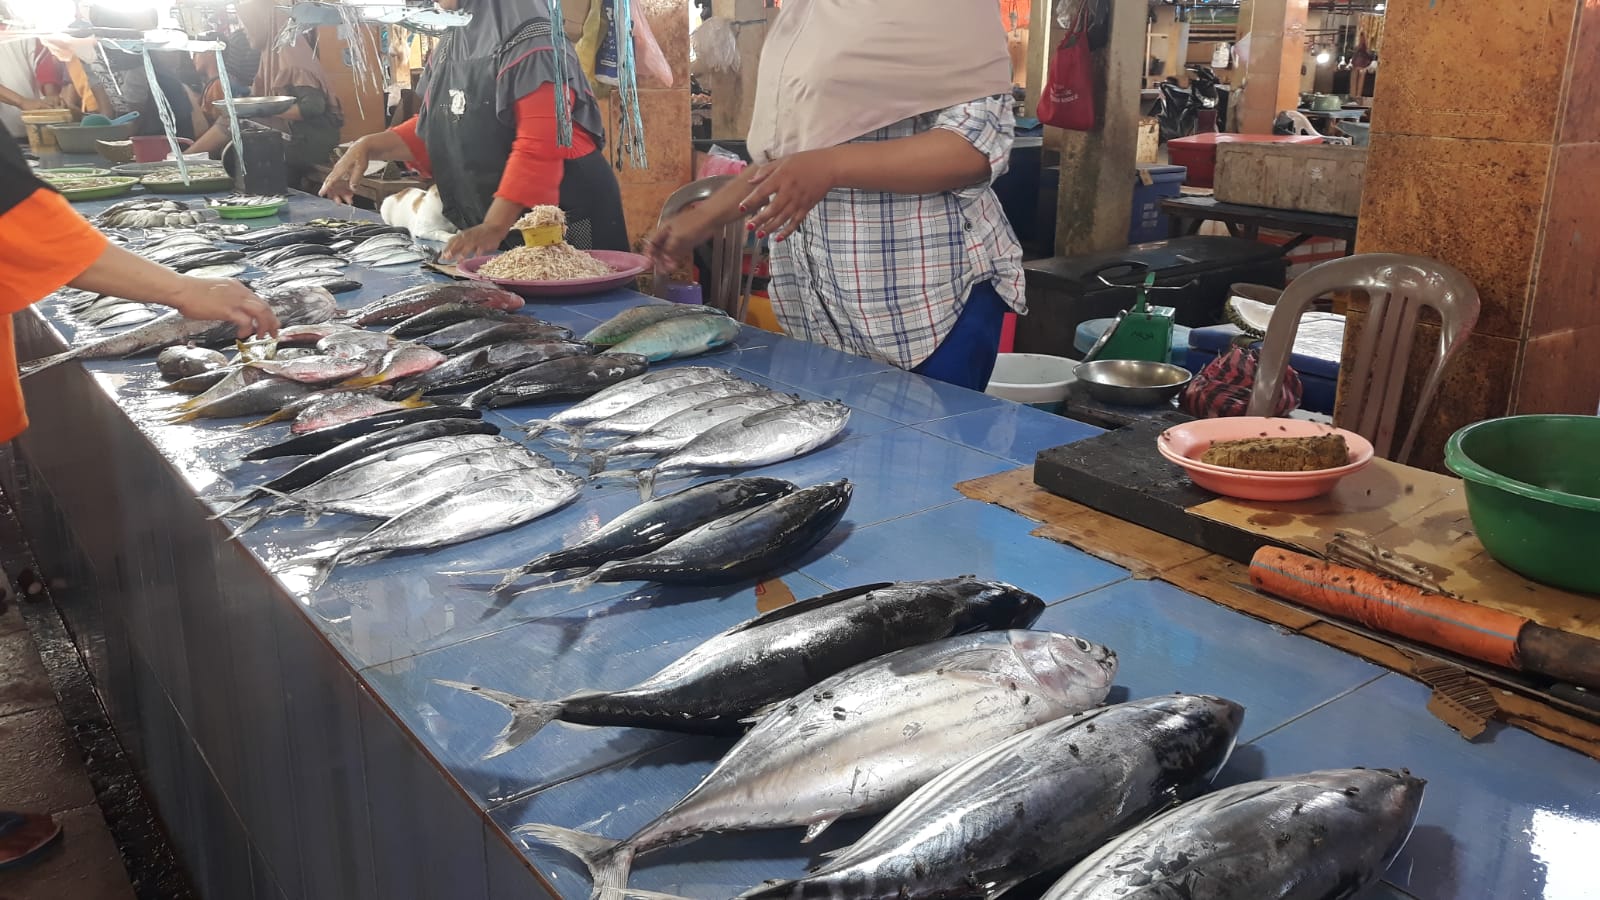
(625, 268)
(1183, 445)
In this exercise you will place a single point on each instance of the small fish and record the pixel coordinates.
(470, 371)
(309, 335)
(1324, 834)
(356, 344)
(220, 270)
(680, 337)
(313, 370)
(410, 302)
(401, 362)
(529, 330)
(735, 674)
(199, 384)
(645, 414)
(562, 379)
(620, 396)
(674, 432)
(181, 362)
(129, 316)
(448, 314)
(445, 475)
(762, 439)
(347, 406)
(861, 741)
(630, 322)
(266, 395)
(324, 439)
(477, 509)
(235, 378)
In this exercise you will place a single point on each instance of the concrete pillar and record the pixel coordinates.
(1277, 49)
(1097, 167)
(734, 93)
(1486, 159)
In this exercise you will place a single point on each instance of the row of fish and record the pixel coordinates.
(151, 213)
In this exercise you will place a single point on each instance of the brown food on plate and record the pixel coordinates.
(1288, 454)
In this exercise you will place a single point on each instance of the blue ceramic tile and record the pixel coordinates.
(964, 538)
(895, 473)
(427, 839)
(611, 644)
(324, 734)
(1507, 816)
(910, 399)
(1013, 431)
(1170, 640)
(619, 800)
(801, 364)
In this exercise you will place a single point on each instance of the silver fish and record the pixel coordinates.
(1326, 834)
(757, 440)
(1032, 805)
(444, 475)
(865, 739)
(181, 362)
(128, 316)
(620, 396)
(218, 270)
(673, 432)
(266, 395)
(482, 508)
(643, 415)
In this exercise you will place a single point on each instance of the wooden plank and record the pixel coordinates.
(1303, 177)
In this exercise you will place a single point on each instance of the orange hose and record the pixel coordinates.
(1389, 606)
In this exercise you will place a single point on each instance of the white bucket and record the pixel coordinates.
(1033, 378)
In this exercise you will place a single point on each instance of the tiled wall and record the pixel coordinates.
(666, 122)
(1475, 158)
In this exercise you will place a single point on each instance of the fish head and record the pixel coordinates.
(760, 490)
(993, 606)
(1076, 672)
(1195, 735)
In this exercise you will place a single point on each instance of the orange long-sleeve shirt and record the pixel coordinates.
(43, 245)
(533, 172)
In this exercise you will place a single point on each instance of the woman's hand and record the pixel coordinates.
(676, 238)
(224, 300)
(340, 185)
(479, 240)
(788, 189)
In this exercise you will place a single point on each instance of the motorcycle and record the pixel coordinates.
(1179, 108)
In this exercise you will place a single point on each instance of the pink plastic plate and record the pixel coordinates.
(627, 266)
(1183, 445)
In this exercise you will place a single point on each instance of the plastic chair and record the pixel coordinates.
(1398, 287)
(1303, 126)
(728, 290)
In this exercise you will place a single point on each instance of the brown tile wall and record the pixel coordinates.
(666, 122)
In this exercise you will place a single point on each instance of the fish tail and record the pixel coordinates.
(609, 862)
(598, 462)
(415, 401)
(278, 416)
(188, 415)
(647, 483)
(363, 381)
(528, 717)
(39, 365)
(511, 577)
(321, 569)
(535, 427)
(251, 521)
(239, 503)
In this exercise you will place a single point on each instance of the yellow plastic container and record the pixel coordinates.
(544, 235)
(40, 138)
(760, 315)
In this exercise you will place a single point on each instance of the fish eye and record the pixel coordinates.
(1083, 645)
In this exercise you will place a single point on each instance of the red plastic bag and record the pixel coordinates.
(1068, 97)
(1223, 387)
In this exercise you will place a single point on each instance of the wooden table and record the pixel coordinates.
(1187, 213)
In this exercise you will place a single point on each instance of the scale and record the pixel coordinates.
(1142, 332)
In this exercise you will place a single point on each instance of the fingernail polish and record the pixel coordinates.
(750, 225)
(761, 234)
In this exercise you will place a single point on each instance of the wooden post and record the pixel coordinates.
(733, 94)
(1095, 204)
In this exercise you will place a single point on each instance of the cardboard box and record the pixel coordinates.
(1315, 178)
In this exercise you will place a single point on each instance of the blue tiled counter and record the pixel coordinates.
(296, 746)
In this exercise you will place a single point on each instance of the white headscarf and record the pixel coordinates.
(834, 70)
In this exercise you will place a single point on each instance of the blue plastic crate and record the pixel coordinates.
(1149, 222)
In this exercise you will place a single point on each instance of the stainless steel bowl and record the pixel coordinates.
(1132, 382)
(262, 107)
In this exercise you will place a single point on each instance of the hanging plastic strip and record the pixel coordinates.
(164, 111)
(227, 103)
(631, 135)
(558, 41)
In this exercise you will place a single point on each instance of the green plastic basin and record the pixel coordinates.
(1533, 491)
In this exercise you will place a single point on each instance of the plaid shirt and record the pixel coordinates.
(886, 275)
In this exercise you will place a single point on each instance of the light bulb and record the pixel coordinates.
(1324, 58)
(1380, 7)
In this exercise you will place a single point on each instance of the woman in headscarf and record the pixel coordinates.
(874, 163)
(314, 121)
(487, 132)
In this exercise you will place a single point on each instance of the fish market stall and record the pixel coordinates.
(401, 729)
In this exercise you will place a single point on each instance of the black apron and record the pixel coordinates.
(468, 145)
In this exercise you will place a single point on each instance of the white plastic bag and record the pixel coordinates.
(646, 52)
(714, 47)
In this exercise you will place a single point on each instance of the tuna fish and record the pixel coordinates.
(470, 371)
(865, 739)
(772, 657)
(562, 379)
(757, 440)
(1322, 836)
(619, 397)
(675, 431)
(1032, 805)
(324, 439)
(645, 414)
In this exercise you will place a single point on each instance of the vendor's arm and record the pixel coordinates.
(677, 237)
(12, 98)
(967, 147)
(398, 143)
(532, 176)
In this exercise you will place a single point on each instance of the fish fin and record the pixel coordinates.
(647, 483)
(535, 427)
(832, 854)
(608, 861)
(805, 606)
(250, 522)
(598, 462)
(528, 717)
(39, 365)
(278, 416)
(510, 577)
(761, 713)
(415, 401)
(186, 416)
(321, 566)
(815, 830)
(362, 381)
